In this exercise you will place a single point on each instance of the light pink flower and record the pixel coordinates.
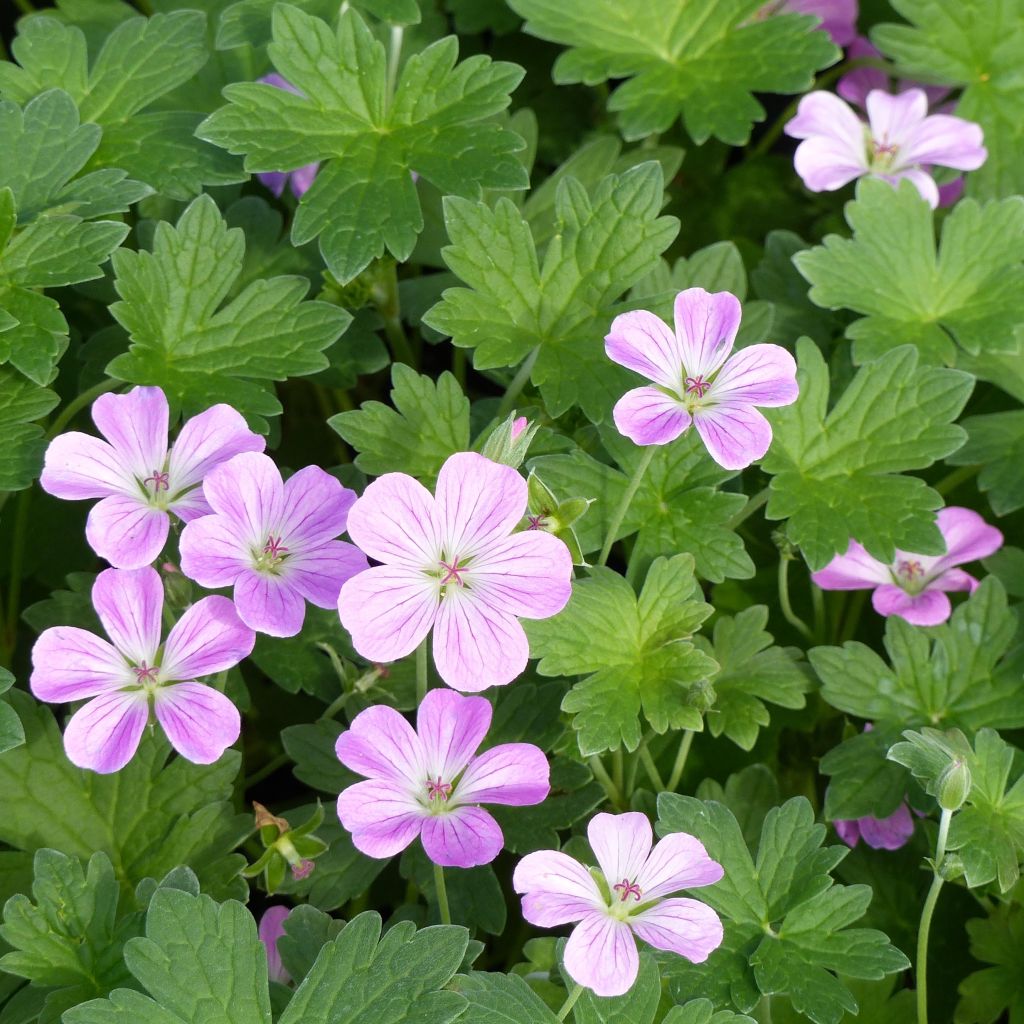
(137, 478)
(694, 379)
(273, 541)
(889, 833)
(135, 674)
(899, 141)
(452, 562)
(428, 783)
(913, 585)
(838, 17)
(301, 179)
(855, 85)
(626, 899)
(271, 929)
(518, 426)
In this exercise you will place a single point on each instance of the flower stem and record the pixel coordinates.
(421, 671)
(570, 1002)
(764, 1010)
(787, 609)
(926, 918)
(953, 480)
(627, 500)
(618, 769)
(390, 310)
(516, 385)
(442, 895)
(394, 56)
(651, 768)
(684, 753)
(77, 403)
(602, 776)
(752, 505)
(268, 769)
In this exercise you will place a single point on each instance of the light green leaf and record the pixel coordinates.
(836, 473)
(997, 442)
(987, 994)
(12, 734)
(702, 1011)
(21, 402)
(969, 293)
(500, 999)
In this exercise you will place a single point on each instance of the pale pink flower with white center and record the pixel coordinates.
(695, 381)
(451, 562)
(127, 679)
(623, 901)
(270, 930)
(838, 17)
(913, 586)
(901, 140)
(273, 541)
(429, 782)
(138, 480)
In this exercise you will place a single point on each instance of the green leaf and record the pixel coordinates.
(974, 45)
(306, 932)
(751, 671)
(639, 655)
(953, 675)
(997, 442)
(836, 473)
(201, 354)
(968, 293)
(681, 57)
(557, 303)
(21, 402)
(474, 894)
(638, 1006)
(12, 734)
(989, 993)
(787, 922)
(500, 999)
(862, 781)
(430, 421)
(439, 124)
(702, 1011)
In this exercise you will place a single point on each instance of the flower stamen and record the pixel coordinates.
(275, 548)
(452, 572)
(161, 481)
(439, 789)
(145, 673)
(697, 386)
(536, 522)
(626, 888)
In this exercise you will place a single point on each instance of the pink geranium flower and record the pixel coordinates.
(270, 930)
(137, 478)
(899, 141)
(428, 782)
(273, 541)
(625, 901)
(913, 586)
(301, 179)
(838, 17)
(694, 380)
(452, 562)
(134, 675)
(889, 833)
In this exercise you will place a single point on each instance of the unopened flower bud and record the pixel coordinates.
(510, 441)
(701, 696)
(954, 786)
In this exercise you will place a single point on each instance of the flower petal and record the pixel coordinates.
(269, 604)
(556, 889)
(758, 375)
(465, 837)
(318, 573)
(136, 427)
(477, 501)
(212, 552)
(207, 440)
(381, 744)
(451, 727)
(516, 774)
(687, 927)
(247, 491)
(929, 608)
(69, 663)
(80, 466)
(679, 861)
(125, 531)
(706, 326)
(968, 537)
(104, 734)
(921, 180)
(736, 435)
(527, 574)
(954, 580)
(621, 844)
(946, 141)
(316, 507)
(130, 603)
(393, 522)
(856, 570)
(643, 342)
(896, 119)
(854, 86)
(388, 609)
(302, 178)
(889, 833)
(208, 638)
(273, 180)
(476, 646)
(382, 819)
(200, 722)
(848, 830)
(601, 955)
(826, 164)
(649, 416)
(270, 930)
(838, 17)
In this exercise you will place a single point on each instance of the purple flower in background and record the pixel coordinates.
(838, 17)
(694, 379)
(627, 898)
(428, 782)
(137, 479)
(271, 929)
(301, 178)
(126, 679)
(273, 541)
(899, 141)
(879, 833)
(913, 586)
(452, 563)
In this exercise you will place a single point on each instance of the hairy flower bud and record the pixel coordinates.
(954, 786)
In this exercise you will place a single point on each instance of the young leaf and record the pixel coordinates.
(986, 995)
(836, 473)
(199, 353)
(997, 442)
(439, 124)
(969, 293)
(639, 655)
(557, 304)
(682, 58)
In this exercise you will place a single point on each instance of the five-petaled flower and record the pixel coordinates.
(694, 380)
(137, 479)
(428, 782)
(301, 179)
(899, 141)
(625, 898)
(273, 541)
(912, 586)
(134, 675)
(452, 562)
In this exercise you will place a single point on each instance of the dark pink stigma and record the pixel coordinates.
(274, 547)
(302, 870)
(697, 384)
(886, 147)
(910, 569)
(439, 789)
(536, 522)
(160, 481)
(145, 673)
(626, 888)
(452, 573)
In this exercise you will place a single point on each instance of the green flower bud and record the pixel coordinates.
(954, 786)
(510, 441)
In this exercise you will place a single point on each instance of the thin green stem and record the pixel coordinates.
(764, 1010)
(852, 619)
(390, 309)
(268, 769)
(787, 609)
(752, 505)
(926, 918)
(627, 499)
(78, 403)
(421, 671)
(25, 6)
(619, 769)
(602, 776)
(651, 768)
(953, 480)
(516, 385)
(680, 763)
(570, 1002)
(335, 706)
(394, 57)
(442, 895)
(459, 366)
(818, 603)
